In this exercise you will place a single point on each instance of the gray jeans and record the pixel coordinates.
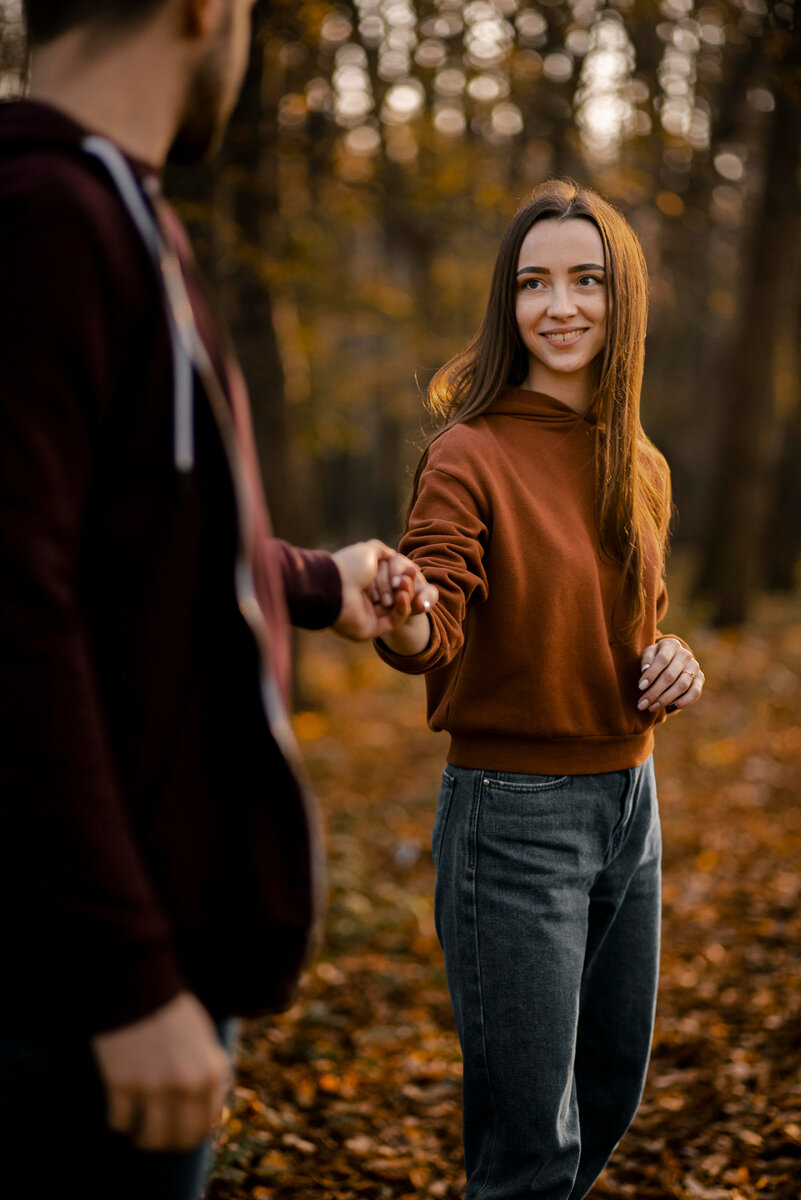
(548, 910)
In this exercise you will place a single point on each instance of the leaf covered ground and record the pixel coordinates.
(355, 1091)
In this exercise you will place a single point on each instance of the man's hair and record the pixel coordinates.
(48, 19)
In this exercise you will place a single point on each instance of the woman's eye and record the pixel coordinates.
(532, 284)
(589, 280)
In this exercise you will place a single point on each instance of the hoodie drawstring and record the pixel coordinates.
(179, 312)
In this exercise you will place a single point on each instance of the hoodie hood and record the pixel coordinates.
(30, 124)
(30, 121)
(535, 406)
(28, 127)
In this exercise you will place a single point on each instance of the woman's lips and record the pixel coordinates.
(563, 337)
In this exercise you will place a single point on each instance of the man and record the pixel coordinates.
(160, 869)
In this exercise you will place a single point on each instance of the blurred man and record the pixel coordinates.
(160, 856)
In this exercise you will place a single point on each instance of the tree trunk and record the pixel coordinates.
(783, 539)
(247, 197)
(783, 532)
(749, 438)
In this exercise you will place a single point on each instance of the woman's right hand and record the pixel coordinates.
(392, 574)
(395, 575)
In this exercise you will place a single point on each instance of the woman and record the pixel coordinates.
(541, 513)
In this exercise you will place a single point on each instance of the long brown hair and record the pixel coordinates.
(633, 502)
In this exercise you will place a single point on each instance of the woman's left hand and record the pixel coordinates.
(671, 675)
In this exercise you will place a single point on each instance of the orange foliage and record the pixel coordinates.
(355, 1092)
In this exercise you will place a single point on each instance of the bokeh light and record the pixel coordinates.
(605, 101)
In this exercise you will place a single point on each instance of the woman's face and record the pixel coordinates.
(561, 306)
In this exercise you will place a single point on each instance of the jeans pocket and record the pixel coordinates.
(523, 785)
(524, 814)
(441, 817)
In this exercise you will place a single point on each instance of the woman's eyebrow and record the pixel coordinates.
(571, 270)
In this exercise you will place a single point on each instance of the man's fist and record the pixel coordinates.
(165, 1076)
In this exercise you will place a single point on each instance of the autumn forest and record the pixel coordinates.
(349, 228)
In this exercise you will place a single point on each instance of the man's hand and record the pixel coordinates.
(165, 1076)
(672, 676)
(380, 590)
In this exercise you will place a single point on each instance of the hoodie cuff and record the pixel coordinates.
(660, 637)
(312, 585)
(410, 664)
(124, 987)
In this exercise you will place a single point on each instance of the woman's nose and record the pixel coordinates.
(562, 303)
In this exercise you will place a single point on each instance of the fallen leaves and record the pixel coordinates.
(355, 1092)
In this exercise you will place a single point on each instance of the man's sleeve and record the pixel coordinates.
(309, 579)
(312, 584)
(83, 896)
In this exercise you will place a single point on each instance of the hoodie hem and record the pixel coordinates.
(551, 756)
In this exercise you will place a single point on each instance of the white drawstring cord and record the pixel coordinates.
(170, 272)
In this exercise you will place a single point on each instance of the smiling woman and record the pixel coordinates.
(561, 308)
(632, 507)
(540, 512)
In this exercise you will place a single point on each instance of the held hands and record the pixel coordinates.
(671, 675)
(381, 591)
(165, 1076)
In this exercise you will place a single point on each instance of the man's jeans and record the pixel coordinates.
(548, 909)
(54, 1137)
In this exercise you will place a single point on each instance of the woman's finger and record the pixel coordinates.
(687, 681)
(655, 658)
(399, 565)
(383, 583)
(425, 596)
(402, 599)
(662, 685)
(689, 697)
(668, 661)
(648, 655)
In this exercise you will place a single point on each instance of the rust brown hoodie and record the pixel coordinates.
(524, 668)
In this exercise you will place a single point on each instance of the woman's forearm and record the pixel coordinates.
(410, 638)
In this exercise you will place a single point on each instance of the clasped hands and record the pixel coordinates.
(381, 590)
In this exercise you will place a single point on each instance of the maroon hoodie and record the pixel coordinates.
(154, 837)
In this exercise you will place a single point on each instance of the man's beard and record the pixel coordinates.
(203, 124)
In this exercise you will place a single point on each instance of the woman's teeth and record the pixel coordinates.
(561, 338)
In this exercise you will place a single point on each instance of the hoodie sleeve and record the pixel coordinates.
(312, 584)
(661, 611)
(86, 905)
(447, 538)
(309, 580)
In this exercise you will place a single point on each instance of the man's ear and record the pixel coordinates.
(201, 16)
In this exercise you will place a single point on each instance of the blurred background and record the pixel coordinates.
(380, 147)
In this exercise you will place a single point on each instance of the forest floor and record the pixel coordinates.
(355, 1091)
